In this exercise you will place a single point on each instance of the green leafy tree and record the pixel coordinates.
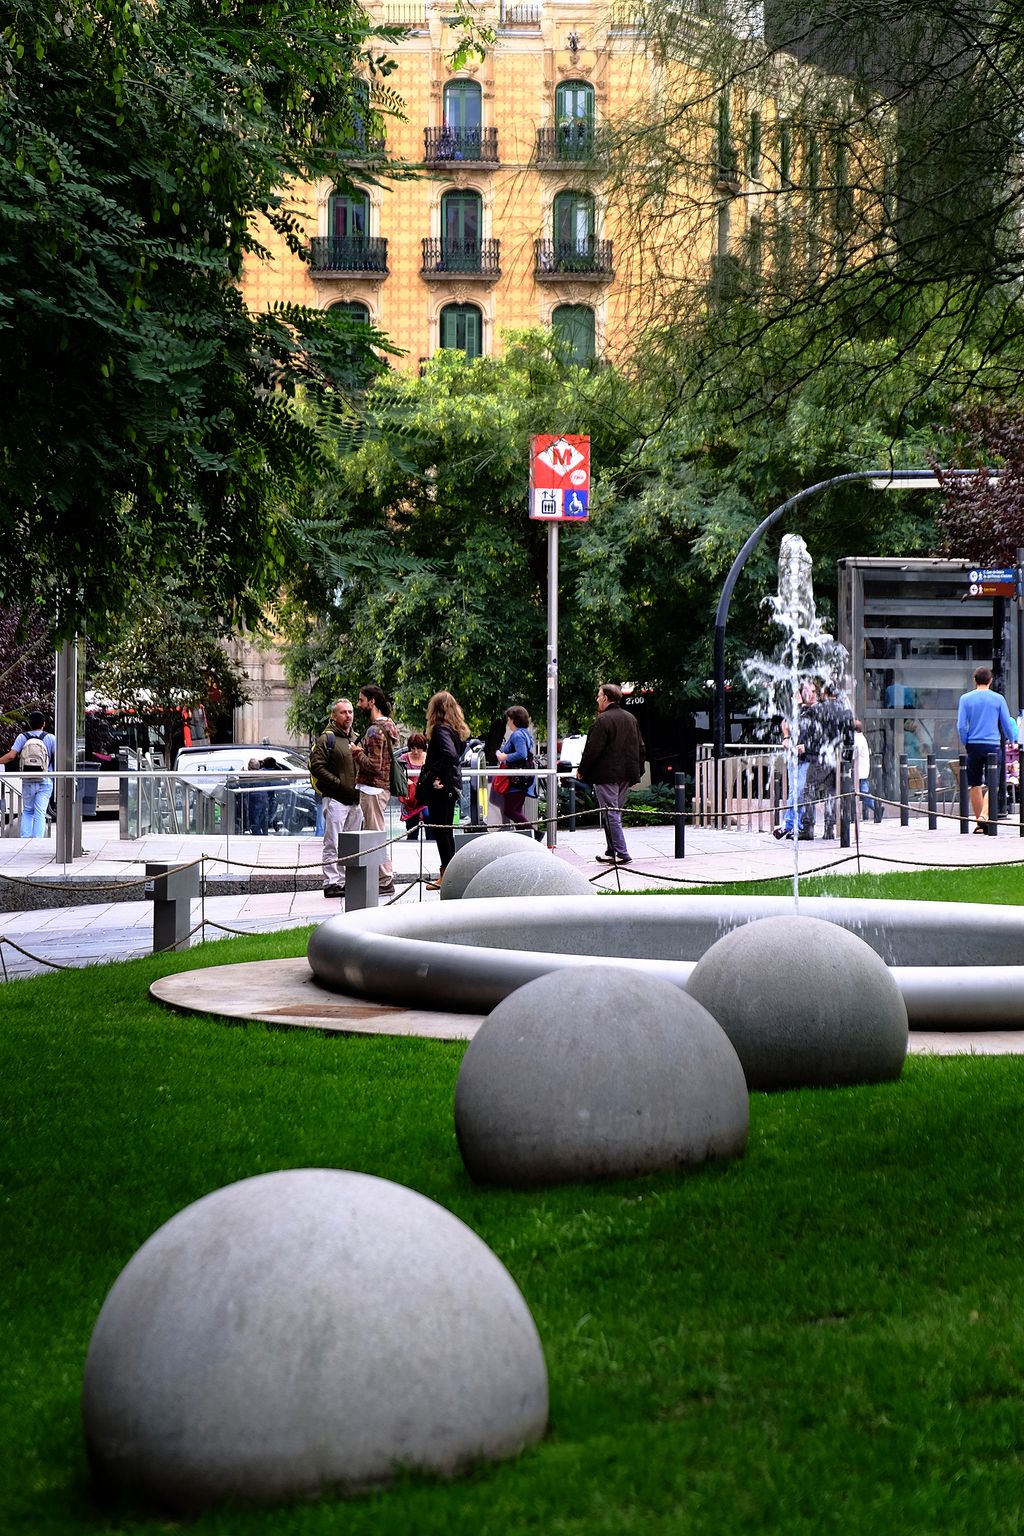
(168, 654)
(422, 570)
(848, 173)
(148, 415)
(26, 672)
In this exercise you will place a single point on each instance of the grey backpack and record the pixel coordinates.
(34, 756)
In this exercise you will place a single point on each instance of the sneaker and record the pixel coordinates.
(613, 858)
(780, 832)
(333, 890)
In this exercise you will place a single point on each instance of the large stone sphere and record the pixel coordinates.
(524, 874)
(807, 1004)
(303, 1332)
(481, 850)
(595, 1072)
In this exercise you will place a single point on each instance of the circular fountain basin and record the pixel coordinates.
(956, 964)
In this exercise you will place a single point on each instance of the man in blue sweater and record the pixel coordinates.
(979, 719)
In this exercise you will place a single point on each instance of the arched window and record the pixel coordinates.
(354, 310)
(573, 324)
(461, 220)
(574, 120)
(461, 137)
(573, 231)
(462, 329)
(462, 104)
(348, 215)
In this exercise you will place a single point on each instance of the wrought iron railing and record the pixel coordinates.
(348, 253)
(519, 15)
(477, 145)
(465, 258)
(585, 257)
(568, 143)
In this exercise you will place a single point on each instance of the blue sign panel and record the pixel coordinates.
(574, 503)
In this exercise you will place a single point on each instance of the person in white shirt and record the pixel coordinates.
(862, 769)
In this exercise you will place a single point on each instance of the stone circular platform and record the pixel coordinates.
(285, 993)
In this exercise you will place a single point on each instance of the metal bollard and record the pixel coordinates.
(570, 796)
(965, 796)
(363, 853)
(992, 788)
(904, 791)
(172, 892)
(847, 799)
(933, 794)
(680, 823)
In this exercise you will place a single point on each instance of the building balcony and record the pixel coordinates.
(477, 260)
(348, 256)
(569, 144)
(461, 146)
(582, 260)
(513, 16)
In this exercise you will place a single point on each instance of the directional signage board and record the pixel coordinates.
(998, 581)
(559, 479)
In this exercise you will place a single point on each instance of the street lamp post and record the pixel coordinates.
(878, 479)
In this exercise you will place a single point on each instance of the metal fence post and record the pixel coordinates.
(933, 793)
(965, 796)
(904, 791)
(172, 892)
(992, 787)
(846, 802)
(680, 818)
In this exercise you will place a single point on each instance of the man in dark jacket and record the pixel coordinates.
(333, 770)
(613, 760)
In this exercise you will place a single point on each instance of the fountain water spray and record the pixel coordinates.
(786, 682)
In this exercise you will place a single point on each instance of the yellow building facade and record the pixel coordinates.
(511, 220)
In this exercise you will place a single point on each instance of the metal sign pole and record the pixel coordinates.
(66, 732)
(552, 687)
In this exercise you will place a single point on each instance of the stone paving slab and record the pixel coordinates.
(68, 934)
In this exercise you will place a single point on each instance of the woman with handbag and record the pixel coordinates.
(516, 751)
(414, 816)
(439, 786)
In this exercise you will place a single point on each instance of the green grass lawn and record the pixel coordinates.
(827, 1335)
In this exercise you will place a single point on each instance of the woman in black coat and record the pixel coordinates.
(439, 786)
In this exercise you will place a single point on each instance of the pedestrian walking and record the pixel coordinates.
(439, 786)
(612, 761)
(36, 751)
(981, 716)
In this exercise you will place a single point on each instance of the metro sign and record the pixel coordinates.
(559, 479)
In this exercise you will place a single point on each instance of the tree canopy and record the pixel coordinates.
(852, 174)
(148, 415)
(422, 571)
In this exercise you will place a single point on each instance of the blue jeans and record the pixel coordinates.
(801, 785)
(866, 800)
(35, 797)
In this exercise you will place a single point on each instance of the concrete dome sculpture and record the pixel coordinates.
(524, 874)
(303, 1332)
(807, 1004)
(597, 1072)
(481, 850)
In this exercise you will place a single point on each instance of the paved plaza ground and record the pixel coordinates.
(94, 929)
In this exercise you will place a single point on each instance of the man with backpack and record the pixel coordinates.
(36, 751)
(333, 772)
